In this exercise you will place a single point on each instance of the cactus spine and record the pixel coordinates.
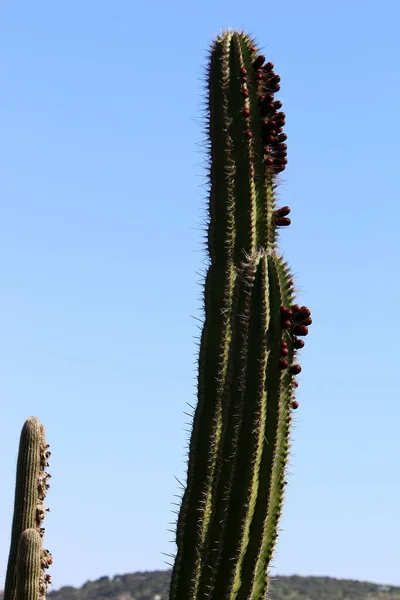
(25, 578)
(227, 525)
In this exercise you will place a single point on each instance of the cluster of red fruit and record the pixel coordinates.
(297, 319)
(272, 120)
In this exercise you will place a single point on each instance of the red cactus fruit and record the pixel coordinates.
(246, 112)
(284, 344)
(274, 79)
(245, 92)
(282, 221)
(266, 99)
(282, 137)
(259, 75)
(300, 330)
(295, 383)
(243, 71)
(282, 212)
(258, 62)
(286, 313)
(268, 66)
(307, 321)
(297, 344)
(249, 134)
(283, 363)
(284, 351)
(305, 312)
(279, 168)
(295, 369)
(294, 404)
(269, 160)
(286, 324)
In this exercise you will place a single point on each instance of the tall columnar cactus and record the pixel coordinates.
(26, 578)
(227, 525)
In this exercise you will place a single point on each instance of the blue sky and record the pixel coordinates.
(102, 198)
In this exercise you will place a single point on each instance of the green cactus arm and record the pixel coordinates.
(28, 572)
(30, 491)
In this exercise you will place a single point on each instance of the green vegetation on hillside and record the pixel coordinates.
(153, 585)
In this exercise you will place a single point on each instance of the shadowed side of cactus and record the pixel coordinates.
(227, 525)
(29, 512)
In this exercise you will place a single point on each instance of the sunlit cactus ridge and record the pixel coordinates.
(228, 520)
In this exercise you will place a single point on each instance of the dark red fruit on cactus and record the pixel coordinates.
(305, 312)
(284, 351)
(269, 160)
(286, 324)
(249, 134)
(274, 79)
(268, 66)
(294, 404)
(282, 212)
(282, 137)
(279, 168)
(300, 330)
(281, 147)
(246, 112)
(282, 221)
(295, 383)
(259, 61)
(259, 75)
(307, 321)
(296, 308)
(252, 49)
(295, 369)
(286, 313)
(243, 72)
(277, 104)
(297, 344)
(245, 92)
(283, 344)
(266, 99)
(283, 364)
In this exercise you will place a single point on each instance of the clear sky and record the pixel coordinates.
(101, 209)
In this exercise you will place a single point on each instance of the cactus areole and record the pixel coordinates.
(227, 525)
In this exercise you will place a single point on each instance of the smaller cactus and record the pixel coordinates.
(25, 578)
(28, 569)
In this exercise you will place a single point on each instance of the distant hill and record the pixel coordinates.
(153, 585)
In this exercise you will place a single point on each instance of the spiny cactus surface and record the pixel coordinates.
(28, 560)
(227, 525)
